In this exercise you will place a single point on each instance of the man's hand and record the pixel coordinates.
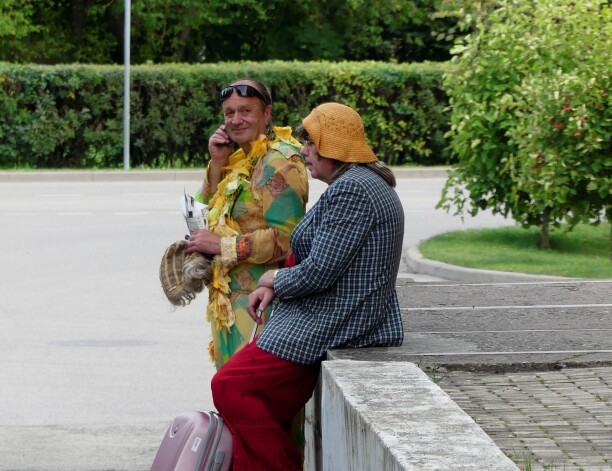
(204, 241)
(220, 148)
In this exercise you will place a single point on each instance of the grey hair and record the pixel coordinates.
(377, 167)
(385, 172)
(260, 86)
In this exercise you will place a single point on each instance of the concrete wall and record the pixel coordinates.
(389, 416)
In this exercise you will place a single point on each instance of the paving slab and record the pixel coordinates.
(502, 326)
(537, 419)
(530, 362)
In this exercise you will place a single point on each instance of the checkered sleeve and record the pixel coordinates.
(347, 221)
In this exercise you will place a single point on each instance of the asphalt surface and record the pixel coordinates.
(530, 361)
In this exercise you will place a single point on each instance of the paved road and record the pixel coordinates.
(93, 361)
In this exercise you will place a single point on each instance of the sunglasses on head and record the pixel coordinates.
(242, 91)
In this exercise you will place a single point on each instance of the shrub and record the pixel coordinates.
(71, 116)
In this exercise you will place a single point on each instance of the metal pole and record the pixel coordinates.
(126, 85)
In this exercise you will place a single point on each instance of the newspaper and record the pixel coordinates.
(195, 213)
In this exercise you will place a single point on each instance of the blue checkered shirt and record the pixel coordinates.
(341, 294)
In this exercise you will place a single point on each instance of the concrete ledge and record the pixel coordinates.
(414, 259)
(392, 417)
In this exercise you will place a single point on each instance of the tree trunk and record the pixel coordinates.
(544, 234)
(609, 218)
(79, 15)
(179, 54)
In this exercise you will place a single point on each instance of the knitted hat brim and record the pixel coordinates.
(338, 133)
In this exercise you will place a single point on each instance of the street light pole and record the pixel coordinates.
(126, 85)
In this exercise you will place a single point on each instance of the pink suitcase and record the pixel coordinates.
(195, 441)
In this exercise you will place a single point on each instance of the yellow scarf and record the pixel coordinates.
(220, 221)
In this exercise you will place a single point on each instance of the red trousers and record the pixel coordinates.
(258, 394)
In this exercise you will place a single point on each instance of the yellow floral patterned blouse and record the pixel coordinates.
(258, 202)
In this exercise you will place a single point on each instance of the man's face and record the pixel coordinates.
(245, 117)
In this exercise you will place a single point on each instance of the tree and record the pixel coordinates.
(232, 30)
(56, 31)
(530, 121)
(15, 23)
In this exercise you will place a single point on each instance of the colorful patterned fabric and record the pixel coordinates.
(261, 197)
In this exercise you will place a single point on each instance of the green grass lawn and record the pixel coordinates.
(582, 253)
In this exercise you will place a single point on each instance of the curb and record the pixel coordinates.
(414, 259)
(166, 175)
(101, 175)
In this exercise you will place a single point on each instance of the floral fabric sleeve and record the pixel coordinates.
(280, 187)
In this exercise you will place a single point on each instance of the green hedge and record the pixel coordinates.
(71, 116)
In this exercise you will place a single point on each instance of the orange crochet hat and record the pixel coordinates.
(338, 132)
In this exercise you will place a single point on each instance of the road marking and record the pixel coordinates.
(21, 214)
(506, 331)
(529, 352)
(481, 308)
(138, 195)
(75, 214)
(118, 213)
(571, 281)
